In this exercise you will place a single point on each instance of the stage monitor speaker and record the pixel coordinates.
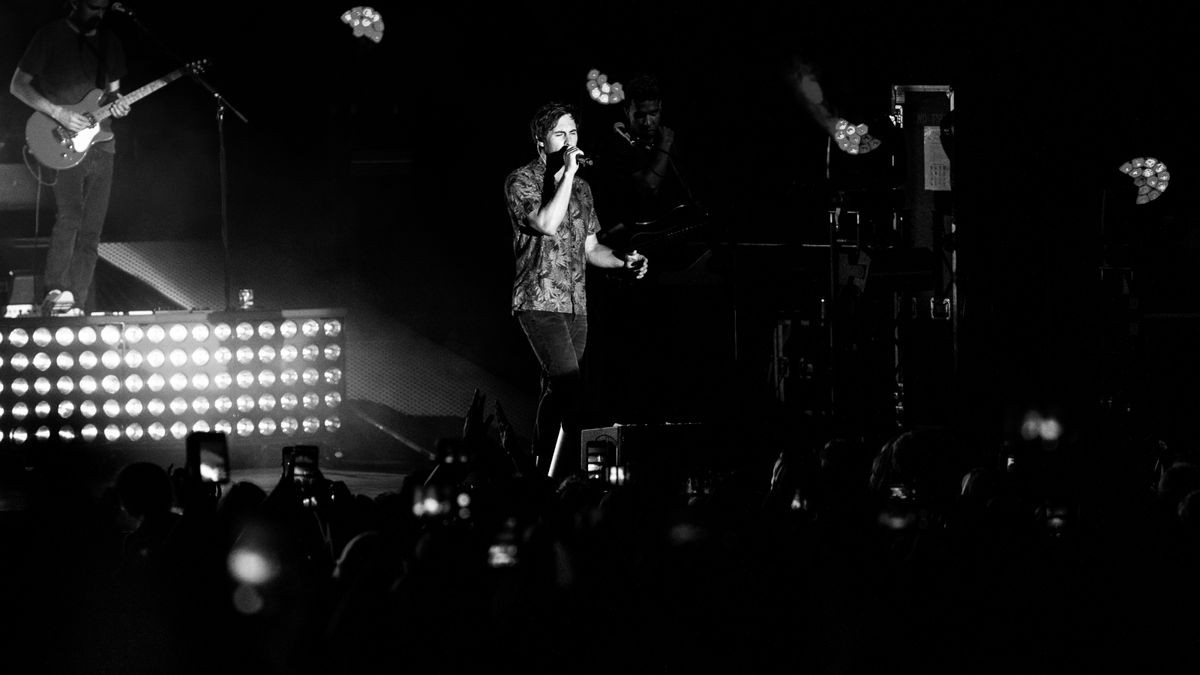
(663, 454)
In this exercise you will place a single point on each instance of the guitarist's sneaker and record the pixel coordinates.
(59, 303)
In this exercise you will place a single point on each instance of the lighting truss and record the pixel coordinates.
(147, 378)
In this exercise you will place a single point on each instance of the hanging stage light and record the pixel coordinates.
(153, 378)
(365, 22)
(853, 139)
(1150, 176)
(601, 90)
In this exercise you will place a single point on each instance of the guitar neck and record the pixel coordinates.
(138, 94)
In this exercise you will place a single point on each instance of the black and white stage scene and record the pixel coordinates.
(663, 337)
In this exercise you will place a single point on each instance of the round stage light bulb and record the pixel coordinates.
(42, 361)
(179, 382)
(64, 361)
(333, 424)
(156, 431)
(156, 407)
(244, 331)
(88, 409)
(155, 358)
(288, 353)
(333, 399)
(287, 329)
(245, 379)
(42, 337)
(289, 401)
(333, 328)
(134, 333)
(200, 381)
(200, 332)
(289, 377)
(266, 378)
(266, 330)
(66, 409)
(311, 425)
(18, 337)
(20, 410)
(332, 352)
(201, 427)
(112, 432)
(222, 356)
(88, 360)
(42, 409)
(110, 359)
(266, 402)
(178, 333)
(134, 432)
(333, 376)
(156, 334)
(245, 355)
(310, 328)
(133, 407)
(200, 405)
(66, 434)
(179, 431)
(223, 404)
(87, 336)
(223, 427)
(245, 403)
(43, 433)
(19, 435)
(289, 425)
(111, 408)
(310, 376)
(110, 335)
(110, 384)
(266, 426)
(87, 385)
(134, 383)
(222, 331)
(222, 380)
(64, 336)
(133, 359)
(178, 358)
(66, 385)
(266, 353)
(311, 400)
(156, 382)
(41, 386)
(200, 357)
(89, 432)
(245, 427)
(310, 352)
(20, 387)
(19, 362)
(178, 406)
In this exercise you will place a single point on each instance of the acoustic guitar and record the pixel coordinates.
(57, 147)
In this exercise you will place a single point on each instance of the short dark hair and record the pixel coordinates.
(547, 116)
(643, 87)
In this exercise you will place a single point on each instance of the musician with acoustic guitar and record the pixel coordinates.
(63, 63)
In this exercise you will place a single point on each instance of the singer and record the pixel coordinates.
(554, 227)
(65, 60)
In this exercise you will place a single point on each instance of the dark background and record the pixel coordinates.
(386, 161)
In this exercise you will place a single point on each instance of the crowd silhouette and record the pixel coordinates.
(923, 555)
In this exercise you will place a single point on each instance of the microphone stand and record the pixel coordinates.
(222, 104)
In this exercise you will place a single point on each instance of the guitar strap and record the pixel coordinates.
(101, 62)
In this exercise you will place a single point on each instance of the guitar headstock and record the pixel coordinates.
(196, 67)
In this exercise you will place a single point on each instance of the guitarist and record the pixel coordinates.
(67, 59)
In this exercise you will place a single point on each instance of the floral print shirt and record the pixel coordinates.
(550, 269)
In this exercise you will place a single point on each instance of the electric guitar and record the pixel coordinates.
(57, 147)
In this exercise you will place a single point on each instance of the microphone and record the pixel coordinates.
(581, 160)
(121, 8)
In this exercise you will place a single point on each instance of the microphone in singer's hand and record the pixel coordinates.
(580, 159)
(121, 8)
